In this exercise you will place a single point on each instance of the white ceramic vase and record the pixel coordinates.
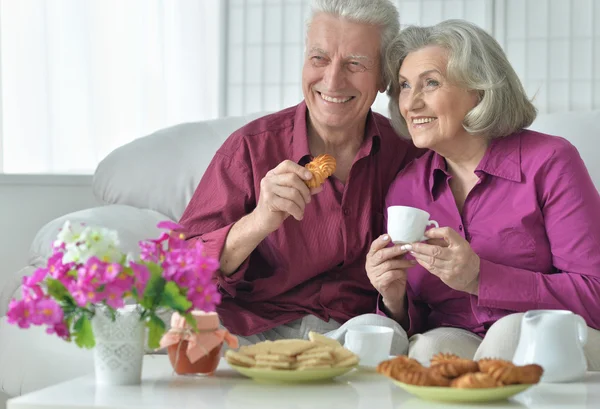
(119, 350)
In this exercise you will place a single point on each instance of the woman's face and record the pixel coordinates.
(433, 108)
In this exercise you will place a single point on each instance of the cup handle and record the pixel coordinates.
(431, 223)
(582, 330)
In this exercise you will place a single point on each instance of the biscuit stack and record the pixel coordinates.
(453, 371)
(319, 352)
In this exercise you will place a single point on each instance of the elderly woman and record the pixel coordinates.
(518, 209)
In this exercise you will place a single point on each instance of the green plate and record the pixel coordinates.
(290, 376)
(446, 394)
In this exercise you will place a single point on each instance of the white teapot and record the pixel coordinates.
(553, 339)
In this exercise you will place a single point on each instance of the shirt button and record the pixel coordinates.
(460, 228)
(346, 211)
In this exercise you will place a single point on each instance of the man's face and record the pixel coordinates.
(342, 73)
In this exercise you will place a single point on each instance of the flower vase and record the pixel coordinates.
(119, 350)
(196, 351)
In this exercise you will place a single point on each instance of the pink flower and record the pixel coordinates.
(59, 329)
(20, 312)
(83, 292)
(47, 312)
(37, 276)
(113, 296)
(151, 251)
(169, 225)
(56, 268)
(141, 275)
(205, 298)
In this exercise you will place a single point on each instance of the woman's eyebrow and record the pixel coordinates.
(421, 75)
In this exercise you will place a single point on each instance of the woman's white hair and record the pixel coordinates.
(476, 62)
(379, 13)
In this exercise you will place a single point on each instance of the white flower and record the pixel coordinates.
(69, 233)
(93, 242)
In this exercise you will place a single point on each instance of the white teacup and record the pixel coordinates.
(407, 224)
(372, 343)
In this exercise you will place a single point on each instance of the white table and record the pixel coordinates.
(227, 389)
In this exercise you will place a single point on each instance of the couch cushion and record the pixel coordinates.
(161, 171)
(582, 129)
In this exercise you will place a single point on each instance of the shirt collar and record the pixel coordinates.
(502, 159)
(300, 148)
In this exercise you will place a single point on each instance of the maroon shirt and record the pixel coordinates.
(313, 266)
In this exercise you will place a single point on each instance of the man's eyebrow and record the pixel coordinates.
(350, 57)
(421, 75)
(318, 50)
(358, 57)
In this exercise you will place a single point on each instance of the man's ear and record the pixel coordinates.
(381, 86)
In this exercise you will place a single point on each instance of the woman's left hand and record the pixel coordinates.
(451, 258)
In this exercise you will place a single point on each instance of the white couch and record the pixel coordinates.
(149, 180)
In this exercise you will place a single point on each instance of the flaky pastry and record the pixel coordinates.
(443, 357)
(475, 380)
(455, 368)
(321, 168)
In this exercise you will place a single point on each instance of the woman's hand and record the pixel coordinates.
(386, 269)
(451, 258)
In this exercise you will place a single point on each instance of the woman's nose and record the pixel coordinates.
(414, 100)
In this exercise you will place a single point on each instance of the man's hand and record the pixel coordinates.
(454, 262)
(282, 194)
(386, 269)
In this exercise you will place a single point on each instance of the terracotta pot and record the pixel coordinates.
(205, 365)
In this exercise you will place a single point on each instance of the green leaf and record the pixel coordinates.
(190, 320)
(83, 333)
(57, 290)
(156, 329)
(154, 287)
(173, 298)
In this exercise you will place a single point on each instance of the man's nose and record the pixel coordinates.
(334, 77)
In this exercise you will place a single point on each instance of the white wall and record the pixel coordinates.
(27, 202)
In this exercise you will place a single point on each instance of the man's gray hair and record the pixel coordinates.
(379, 13)
(476, 62)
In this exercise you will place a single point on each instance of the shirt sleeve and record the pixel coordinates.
(224, 195)
(570, 204)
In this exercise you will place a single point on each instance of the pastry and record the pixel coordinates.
(321, 168)
(399, 363)
(443, 357)
(455, 368)
(486, 363)
(475, 380)
(511, 374)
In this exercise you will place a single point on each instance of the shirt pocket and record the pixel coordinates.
(518, 243)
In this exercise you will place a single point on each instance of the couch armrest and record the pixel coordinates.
(131, 223)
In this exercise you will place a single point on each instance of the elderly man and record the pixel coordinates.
(292, 259)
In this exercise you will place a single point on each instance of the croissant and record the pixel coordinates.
(420, 377)
(485, 364)
(510, 375)
(455, 368)
(475, 380)
(399, 363)
(443, 357)
(321, 168)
